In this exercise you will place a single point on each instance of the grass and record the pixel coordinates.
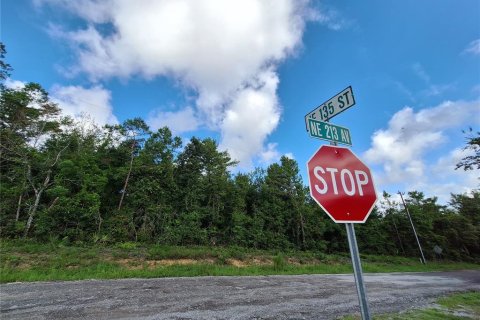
(457, 306)
(32, 261)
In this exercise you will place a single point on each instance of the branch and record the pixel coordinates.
(58, 155)
(29, 177)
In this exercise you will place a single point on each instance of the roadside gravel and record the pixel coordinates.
(266, 297)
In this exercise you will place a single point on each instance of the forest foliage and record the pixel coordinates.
(69, 180)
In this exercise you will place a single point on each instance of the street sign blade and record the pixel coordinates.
(327, 131)
(330, 108)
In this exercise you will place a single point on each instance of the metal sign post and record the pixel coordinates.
(357, 271)
(357, 268)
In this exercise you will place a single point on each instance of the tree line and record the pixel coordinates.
(70, 180)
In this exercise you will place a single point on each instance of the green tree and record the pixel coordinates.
(283, 205)
(467, 222)
(316, 225)
(246, 223)
(5, 68)
(395, 223)
(373, 237)
(202, 178)
(152, 192)
(28, 119)
(471, 162)
(468, 206)
(134, 132)
(74, 200)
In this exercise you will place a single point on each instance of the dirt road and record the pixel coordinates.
(269, 297)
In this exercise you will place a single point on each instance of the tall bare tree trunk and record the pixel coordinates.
(19, 206)
(302, 225)
(20, 198)
(38, 196)
(124, 190)
(100, 220)
(39, 191)
(398, 235)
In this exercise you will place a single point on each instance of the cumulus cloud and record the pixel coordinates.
(253, 113)
(77, 101)
(402, 149)
(225, 51)
(441, 179)
(179, 121)
(270, 154)
(200, 42)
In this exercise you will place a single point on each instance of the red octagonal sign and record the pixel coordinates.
(341, 184)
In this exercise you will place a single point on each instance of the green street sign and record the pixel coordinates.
(335, 105)
(327, 131)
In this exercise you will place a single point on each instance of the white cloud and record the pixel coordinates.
(402, 149)
(200, 42)
(253, 114)
(14, 84)
(473, 47)
(179, 121)
(289, 155)
(270, 154)
(441, 178)
(332, 19)
(226, 51)
(93, 10)
(76, 101)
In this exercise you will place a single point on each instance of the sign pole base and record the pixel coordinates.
(357, 270)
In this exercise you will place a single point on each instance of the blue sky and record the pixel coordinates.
(246, 73)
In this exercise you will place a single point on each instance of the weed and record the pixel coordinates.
(127, 245)
(279, 262)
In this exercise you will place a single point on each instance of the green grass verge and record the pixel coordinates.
(33, 261)
(457, 306)
(114, 271)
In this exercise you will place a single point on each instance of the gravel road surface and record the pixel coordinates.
(267, 297)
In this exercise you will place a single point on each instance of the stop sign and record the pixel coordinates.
(341, 184)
